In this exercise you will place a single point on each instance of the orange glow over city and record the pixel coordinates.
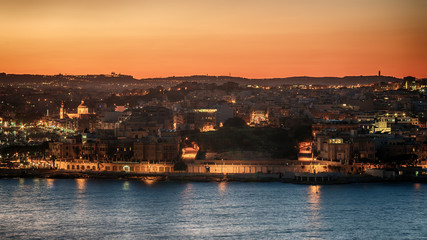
(243, 38)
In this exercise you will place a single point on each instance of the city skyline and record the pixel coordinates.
(276, 119)
(243, 38)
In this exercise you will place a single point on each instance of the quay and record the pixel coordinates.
(287, 177)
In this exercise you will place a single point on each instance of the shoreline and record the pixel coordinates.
(212, 177)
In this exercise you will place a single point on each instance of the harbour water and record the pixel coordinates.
(115, 209)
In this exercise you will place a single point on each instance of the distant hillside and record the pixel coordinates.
(127, 79)
(63, 78)
(348, 80)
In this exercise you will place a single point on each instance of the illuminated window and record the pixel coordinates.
(336, 140)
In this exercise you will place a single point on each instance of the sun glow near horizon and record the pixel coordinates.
(242, 38)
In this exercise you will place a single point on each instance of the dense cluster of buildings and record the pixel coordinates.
(359, 124)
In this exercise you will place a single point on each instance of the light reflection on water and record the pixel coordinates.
(111, 209)
(36, 183)
(313, 193)
(126, 185)
(314, 206)
(50, 182)
(222, 187)
(81, 184)
(187, 190)
(417, 186)
(149, 181)
(21, 182)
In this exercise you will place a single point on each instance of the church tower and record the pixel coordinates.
(61, 111)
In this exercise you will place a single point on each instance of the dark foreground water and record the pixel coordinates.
(113, 209)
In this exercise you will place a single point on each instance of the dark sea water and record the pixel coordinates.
(114, 209)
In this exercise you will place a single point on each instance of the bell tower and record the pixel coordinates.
(61, 111)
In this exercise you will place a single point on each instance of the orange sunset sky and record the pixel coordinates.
(248, 38)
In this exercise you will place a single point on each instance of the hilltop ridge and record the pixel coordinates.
(128, 79)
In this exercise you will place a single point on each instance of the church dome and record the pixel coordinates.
(82, 108)
(82, 104)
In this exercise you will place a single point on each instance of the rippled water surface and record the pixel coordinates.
(113, 209)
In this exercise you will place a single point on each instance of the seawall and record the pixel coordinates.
(289, 177)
